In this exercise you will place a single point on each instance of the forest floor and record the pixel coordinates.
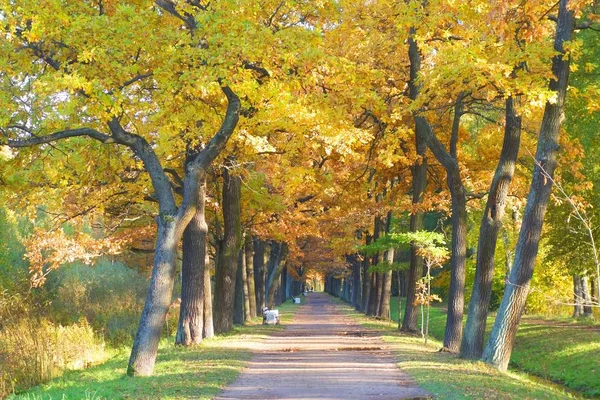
(323, 354)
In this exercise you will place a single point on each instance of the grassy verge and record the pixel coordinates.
(561, 350)
(447, 377)
(199, 372)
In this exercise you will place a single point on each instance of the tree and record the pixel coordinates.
(499, 347)
(227, 266)
(491, 222)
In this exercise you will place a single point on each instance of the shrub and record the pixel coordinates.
(109, 295)
(34, 350)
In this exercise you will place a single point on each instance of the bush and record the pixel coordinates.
(110, 296)
(34, 350)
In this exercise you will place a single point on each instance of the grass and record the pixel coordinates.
(198, 372)
(447, 377)
(563, 350)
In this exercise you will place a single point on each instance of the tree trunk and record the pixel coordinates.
(366, 286)
(259, 274)
(577, 297)
(384, 309)
(373, 298)
(283, 286)
(191, 315)
(249, 255)
(208, 329)
(456, 294)
(500, 344)
(238, 302)
(419, 183)
(356, 283)
(491, 222)
(245, 285)
(225, 276)
(386, 287)
(587, 296)
(277, 261)
(158, 300)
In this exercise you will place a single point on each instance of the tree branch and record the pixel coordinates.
(37, 140)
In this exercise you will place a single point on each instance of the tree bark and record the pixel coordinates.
(500, 344)
(384, 309)
(245, 289)
(158, 300)
(373, 298)
(577, 296)
(419, 183)
(238, 303)
(356, 283)
(283, 286)
(259, 274)
(225, 276)
(277, 258)
(249, 254)
(208, 330)
(366, 282)
(386, 287)
(491, 222)
(191, 315)
(456, 294)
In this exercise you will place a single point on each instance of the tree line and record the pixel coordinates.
(290, 138)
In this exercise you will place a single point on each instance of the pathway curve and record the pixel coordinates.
(323, 354)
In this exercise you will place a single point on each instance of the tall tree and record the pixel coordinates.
(226, 270)
(491, 222)
(499, 347)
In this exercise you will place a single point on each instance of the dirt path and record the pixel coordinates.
(323, 354)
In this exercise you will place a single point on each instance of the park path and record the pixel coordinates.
(323, 354)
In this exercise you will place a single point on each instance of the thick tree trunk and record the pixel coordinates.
(208, 330)
(245, 285)
(419, 183)
(384, 309)
(191, 315)
(238, 303)
(500, 344)
(491, 222)
(456, 294)
(225, 275)
(277, 261)
(259, 274)
(158, 300)
(249, 254)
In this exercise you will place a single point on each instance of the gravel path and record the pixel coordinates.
(323, 354)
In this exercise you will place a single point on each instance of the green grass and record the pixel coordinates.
(198, 372)
(563, 350)
(447, 377)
